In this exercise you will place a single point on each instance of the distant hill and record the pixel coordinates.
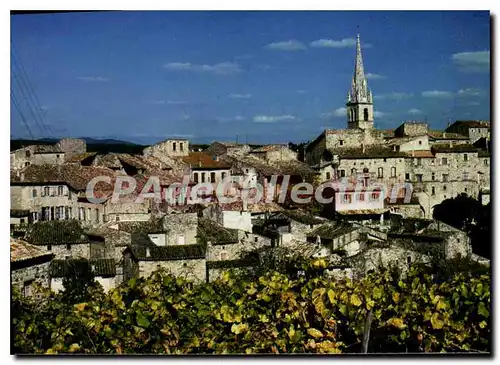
(93, 145)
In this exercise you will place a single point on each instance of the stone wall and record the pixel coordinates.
(181, 228)
(387, 164)
(72, 146)
(62, 252)
(40, 275)
(411, 129)
(126, 211)
(247, 242)
(169, 147)
(194, 270)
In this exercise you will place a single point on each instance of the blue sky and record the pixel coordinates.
(260, 76)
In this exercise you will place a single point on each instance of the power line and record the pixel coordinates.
(16, 105)
(31, 91)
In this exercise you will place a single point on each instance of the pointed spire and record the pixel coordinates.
(359, 87)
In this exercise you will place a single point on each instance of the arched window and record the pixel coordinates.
(174, 146)
(223, 175)
(195, 177)
(351, 112)
(353, 171)
(380, 172)
(365, 114)
(212, 177)
(202, 177)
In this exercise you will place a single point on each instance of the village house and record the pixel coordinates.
(65, 239)
(186, 261)
(473, 129)
(104, 271)
(205, 168)
(226, 148)
(29, 265)
(274, 153)
(171, 147)
(36, 155)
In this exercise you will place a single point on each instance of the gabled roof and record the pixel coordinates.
(57, 232)
(208, 230)
(201, 161)
(21, 250)
(269, 148)
(331, 230)
(100, 267)
(168, 253)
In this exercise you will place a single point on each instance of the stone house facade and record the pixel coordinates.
(36, 155)
(29, 266)
(180, 228)
(274, 153)
(169, 147)
(474, 129)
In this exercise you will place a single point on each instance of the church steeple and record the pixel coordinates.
(359, 100)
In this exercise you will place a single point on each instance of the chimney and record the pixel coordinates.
(148, 252)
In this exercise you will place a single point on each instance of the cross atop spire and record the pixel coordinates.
(359, 92)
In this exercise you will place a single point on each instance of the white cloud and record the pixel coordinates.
(437, 94)
(343, 43)
(340, 112)
(379, 114)
(240, 96)
(273, 118)
(291, 45)
(223, 68)
(372, 76)
(472, 61)
(93, 79)
(469, 92)
(236, 118)
(394, 96)
(414, 111)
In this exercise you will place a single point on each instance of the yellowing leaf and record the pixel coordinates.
(319, 263)
(80, 307)
(377, 292)
(355, 300)
(436, 322)
(396, 322)
(314, 333)
(239, 328)
(74, 347)
(483, 324)
(395, 297)
(441, 304)
(331, 296)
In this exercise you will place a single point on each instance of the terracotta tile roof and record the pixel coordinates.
(201, 160)
(445, 148)
(369, 152)
(269, 148)
(441, 135)
(58, 232)
(42, 148)
(168, 253)
(21, 250)
(420, 154)
(100, 267)
(74, 175)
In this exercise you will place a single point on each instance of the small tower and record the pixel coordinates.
(359, 99)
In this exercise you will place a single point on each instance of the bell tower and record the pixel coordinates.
(359, 99)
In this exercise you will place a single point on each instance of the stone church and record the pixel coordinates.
(438, 164)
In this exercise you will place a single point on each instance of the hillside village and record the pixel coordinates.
(53, 222)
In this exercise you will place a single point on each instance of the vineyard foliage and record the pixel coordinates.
(269, 314)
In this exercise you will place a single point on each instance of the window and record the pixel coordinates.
(365, 114)
(420, 143)
(341, 142)
(181, 146)
(97, 215)
(466, 157)
(433, 176)
(342, 173)
(408, 260)
(46, 191)
(346, 198)
(465, 189)
(380, 172)
(60, 190)
(117, 218)
(444, 161)
(419, 161)
(57, 156)
(433, 161)
(433, 190)
(33, 193)
(26, 164)
(28, 154)
(68, 246)
(353, 171)
(385, 160)
(444, 187)
(419, 177)
(223, 175)
(22, 220)
(28, 288)
(202, 177)
(393, 172)
(485, 162)
(445, 177)
(256, 239)
(361, 197)
(328, 176)
(174, 146)
(195, 175)
(212, 177)
(407, 176)
(374, 196)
